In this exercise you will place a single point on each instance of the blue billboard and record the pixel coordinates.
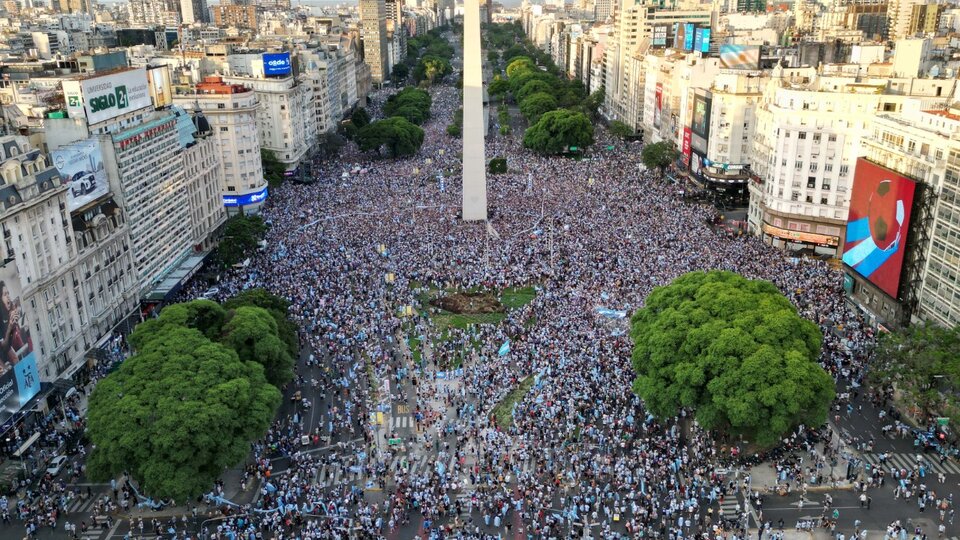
(688, 31)
(701, 40)
(275, 64)
(245, 200)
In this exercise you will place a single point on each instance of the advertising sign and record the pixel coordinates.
(81, 166)
(660, 32)
(688, 31)
(658, 106)
(677, 36)
(740, 57)
(798, 236)
(19, 378)
(701, 40)
(74, 98)
(161, 91)
(276, 64)
(111, 95)
(877, 225)
(701, 116)
(686, 146)
(244, 200)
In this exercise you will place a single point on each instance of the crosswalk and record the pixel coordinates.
(401, 421)
(332, 475)
(730, 507)
(909, 461)
(80, 505)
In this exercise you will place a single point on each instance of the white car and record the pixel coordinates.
(56, 465)
(210, 293)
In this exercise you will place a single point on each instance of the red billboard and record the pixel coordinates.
(686, 146)
(658, 106)
(877, 225)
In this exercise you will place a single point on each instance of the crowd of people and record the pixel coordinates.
(596, 232)
(374, 237)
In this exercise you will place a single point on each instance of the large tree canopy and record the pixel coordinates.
(252, 332)
(409, 97)
(177, 414)
(401, 137)
(923, 362)
(536, 105)
(557, 130)
(277, 306)
(733, 350)
(658, 155)
(206, 316)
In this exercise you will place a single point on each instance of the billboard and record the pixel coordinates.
(740, 57)
(660, 32)
(245, 200)
(877, 225)
(686, 146)
(111, 95)
(161, 92)
(81, 166)
(73, 98)
(276, 64)
(701, 40)
(700, 125)
(688, 31)
(19, 378)
(658, 106)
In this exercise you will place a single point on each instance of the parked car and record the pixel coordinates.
(56, 465)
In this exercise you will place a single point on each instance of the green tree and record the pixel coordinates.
(536, 106)
(498, 165)
(659, 155)
(431, 69)
(360, 117)
(619, 129)
(519, 65)
(272, 168)
(533, 87)
(591, 105)
(922, 362)
(409, 97)
(493, 57)
(735, 351)
(557, 130)
(278, 308)
(252, 332)
(515, 52)
(396, 133)
(205, 316)
(240, 237)
(411, 113)
(498, 86)
(177, 415)
(400, 72)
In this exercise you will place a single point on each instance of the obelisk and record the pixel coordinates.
(474, 161)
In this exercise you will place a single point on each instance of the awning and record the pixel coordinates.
(26, 446)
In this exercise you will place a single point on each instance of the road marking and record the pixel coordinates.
(909, 461)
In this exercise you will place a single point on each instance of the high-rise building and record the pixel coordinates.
(193, 11)
(373, 22)
(73, 6)
(154, 12)
(286, 117)
(235, 16)
(231, 111)
(899, 17)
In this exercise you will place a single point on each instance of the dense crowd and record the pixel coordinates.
(596, 232)
(374, 236)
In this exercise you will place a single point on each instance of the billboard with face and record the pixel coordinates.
(19, 378)
(701, 116)
(81, 166)
(658, 106)
(877, 225)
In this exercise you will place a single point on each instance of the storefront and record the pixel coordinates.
(819, 244)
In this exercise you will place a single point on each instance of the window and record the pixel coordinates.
(809, 198)
(794, 196)
(222, 129)
(221, 105)
(823, 200)
(798, 165)
(811, 182)
(802, 135)
(816, 137)
(844, 169)
(813, 167)
(828, 167)
(832, 138)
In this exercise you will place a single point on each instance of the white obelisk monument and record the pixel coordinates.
(474, 161)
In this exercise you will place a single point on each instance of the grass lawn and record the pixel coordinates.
(503, 412)
(413, 342)
(515, 297)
